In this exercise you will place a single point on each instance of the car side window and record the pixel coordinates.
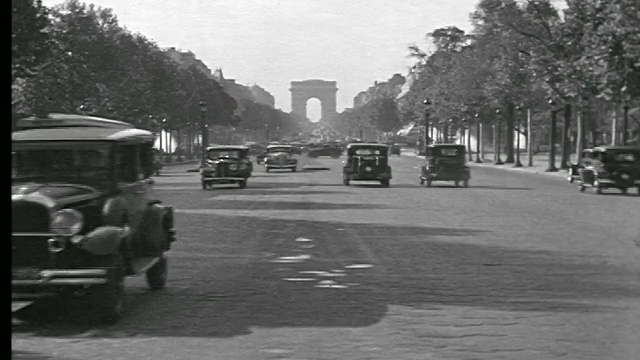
(127, 164)
(146, 160)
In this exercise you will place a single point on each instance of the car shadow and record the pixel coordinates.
(287, 205)
(278, 284)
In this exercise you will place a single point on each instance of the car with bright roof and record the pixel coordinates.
(226, 164)
(280, 157)
(367, 162)
(83, 213)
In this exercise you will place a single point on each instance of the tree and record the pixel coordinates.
(386, 115)
(29, 37)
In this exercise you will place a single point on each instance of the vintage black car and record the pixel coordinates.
(280, 157)
(367, 162)
(83, 214)
(445, 162)
(327, 149)
(394, 148)
(574, 169)
(612, 167)
(226, 164)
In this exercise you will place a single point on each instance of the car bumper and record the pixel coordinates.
(617, 183)
(366, 177)
(281, 166)
(32, 284)
(212, 179)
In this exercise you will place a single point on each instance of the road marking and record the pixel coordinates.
(359, 266)
(301, 239)
(299, 279)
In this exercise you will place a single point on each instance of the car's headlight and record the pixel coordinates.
(233, 167)
(67, 222)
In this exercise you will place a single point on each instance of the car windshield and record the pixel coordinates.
(622, 156)
(369, 151)
(224, 154)
(82, 162)
(446, 152)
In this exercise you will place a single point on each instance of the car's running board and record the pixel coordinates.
(143, 264)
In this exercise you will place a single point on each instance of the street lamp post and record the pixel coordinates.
(552, 138)
(625, 118)
(518, 132)
(497, 149)
(427, 114)
(478, 138)
(203, 130)
(360, 125)
(467, 129)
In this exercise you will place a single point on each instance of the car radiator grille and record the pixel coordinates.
(222, 170)
(31, 250)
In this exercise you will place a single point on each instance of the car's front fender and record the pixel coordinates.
(104, 240)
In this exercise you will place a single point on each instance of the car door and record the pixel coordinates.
(132, 182)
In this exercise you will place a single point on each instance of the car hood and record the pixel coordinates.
(53, 194)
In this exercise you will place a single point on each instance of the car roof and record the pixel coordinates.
(617, 147)
(367, 145)
(228, 147)
(447, 145)
(71, 127)
(279, 146)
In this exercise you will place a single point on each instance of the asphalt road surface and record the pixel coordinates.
(298, 266)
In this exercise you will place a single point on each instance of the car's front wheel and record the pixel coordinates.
(107, 301)
(384, 183)
(242, 183)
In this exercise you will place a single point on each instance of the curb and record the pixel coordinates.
(523, 170)
(176, 163)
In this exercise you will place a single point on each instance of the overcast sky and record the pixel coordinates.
(274, 42)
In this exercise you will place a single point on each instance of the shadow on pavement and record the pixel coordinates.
(410, 266)
(287, 205)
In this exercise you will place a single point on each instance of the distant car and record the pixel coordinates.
(612, 167)
(332, 150)
(394, 148)
(280, 157)
(367, 162)
(226, 164)
(297, 147)
(83, 212)
(445, 162)
(574, 169)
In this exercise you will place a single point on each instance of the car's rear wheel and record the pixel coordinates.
(421, 181)
(204, 185)
(456, 183)
(157, 274)
(429, 183)
(384, 183)
(582, 188)
(465, 183)
(623, 190)
(294, 169)
(268, 169)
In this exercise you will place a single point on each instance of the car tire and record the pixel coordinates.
(384, 183)
(157, 275)
(242, 183)
(428, 183)
(345, 182)
(107, 301)
(623, 190)
(204, 186)
(465, 183)
(421, 181)
(571, 179)
(582, 188)
(294, 170)
(456, 183)
(598, 190)
(267, 169)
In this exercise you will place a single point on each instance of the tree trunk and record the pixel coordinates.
(566, 142)
(509, 138)
(614, 127)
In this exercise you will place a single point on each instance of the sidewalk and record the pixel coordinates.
(540, 163)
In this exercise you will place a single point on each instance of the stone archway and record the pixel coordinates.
(302, 91)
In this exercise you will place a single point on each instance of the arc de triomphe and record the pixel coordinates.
(302, 91)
